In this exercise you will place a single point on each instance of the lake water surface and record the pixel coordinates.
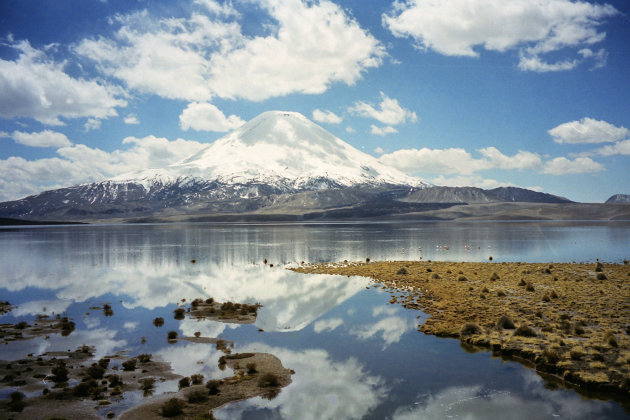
(354, 354)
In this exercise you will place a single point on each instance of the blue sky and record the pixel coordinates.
(487, 93)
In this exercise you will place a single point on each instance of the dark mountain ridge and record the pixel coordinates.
(619, 199)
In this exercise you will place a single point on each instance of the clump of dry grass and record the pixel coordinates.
(173, 407)
(551, 356)
(470, 328)
(525, 331)
(196, 379)
(577, 353)
(269, 380)
(196, 397)
(213, 386)
(505, 323)
(611, 339)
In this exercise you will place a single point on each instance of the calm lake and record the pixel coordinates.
(354, 354)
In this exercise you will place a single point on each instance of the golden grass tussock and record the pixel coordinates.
(580, 319)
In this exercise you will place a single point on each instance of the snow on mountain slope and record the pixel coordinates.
(281, 149)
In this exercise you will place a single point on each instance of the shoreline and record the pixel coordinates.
(75, 385)
(569, 320)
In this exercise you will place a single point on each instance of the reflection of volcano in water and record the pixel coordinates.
(290, 301)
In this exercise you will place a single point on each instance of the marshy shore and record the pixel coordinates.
(73, 384)
(569, 320)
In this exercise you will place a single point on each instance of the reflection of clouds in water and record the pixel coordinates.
(385, 310)
(567, 404)
(477, 403)
(192, 358)
(101, 338)
(131, 325)
(390, 329)
(291, 301)
(330, 324)
(36, 307)
(207, 328)
(321, 389)
(91, 322)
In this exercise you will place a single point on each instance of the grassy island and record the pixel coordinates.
(569, 320)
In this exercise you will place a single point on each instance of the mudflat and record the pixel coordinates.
(571, 320)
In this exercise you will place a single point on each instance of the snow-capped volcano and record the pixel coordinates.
(280, 149)
(278, 162)
(278, 166)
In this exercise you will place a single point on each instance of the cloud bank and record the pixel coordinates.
(306, 48)
(588, 130)
(35, 86)
(536, 29)
(207, 117)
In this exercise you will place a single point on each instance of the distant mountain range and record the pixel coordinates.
(619, 199)
(278, 165)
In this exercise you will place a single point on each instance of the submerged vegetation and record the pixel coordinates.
(570, 320)
(239, 313)
(74, 377)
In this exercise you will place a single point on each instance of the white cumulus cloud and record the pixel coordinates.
(388, 111)
(520, 161)
(564, 166)
(46, 138)
(131, 119)
(460, 164)
(92, 124)
(475, 181)
(326, 116)
(35, 86)
(458, 161)
(202, 116)
(220, 9)
(535, 28)
(619, 148)
(79, 164)
(588, 130)
(382, 131)
(308, 46)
